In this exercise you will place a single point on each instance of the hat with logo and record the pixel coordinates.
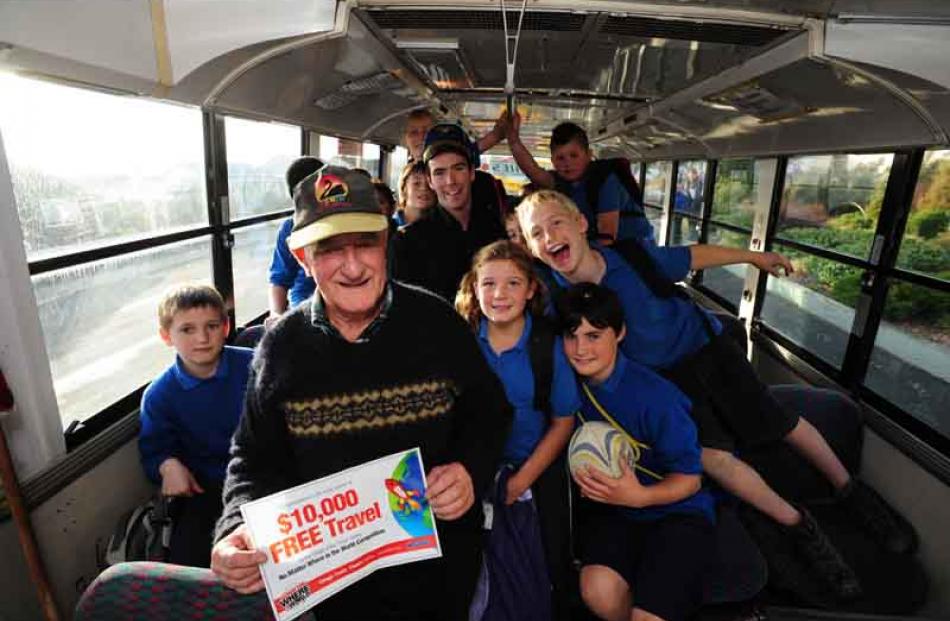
(449, 138)
(334, 201)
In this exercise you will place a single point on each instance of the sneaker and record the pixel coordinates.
(877, 518)
(815, 546)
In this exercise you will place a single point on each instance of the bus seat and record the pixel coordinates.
(739, 571)
(161, 591)
(249, 336)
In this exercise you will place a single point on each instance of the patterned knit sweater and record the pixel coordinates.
(317, 404)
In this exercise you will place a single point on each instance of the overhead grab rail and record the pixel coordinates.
(511, 55)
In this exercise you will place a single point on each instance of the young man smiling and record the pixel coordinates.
(436, 250)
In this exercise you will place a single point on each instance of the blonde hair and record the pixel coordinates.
(186, 297)
(412, 168)
(536, 199)
(466, 301)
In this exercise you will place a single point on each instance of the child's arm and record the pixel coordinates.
(550, 446)
(524, 159)
(627, 491)
(496, 135)
(703, 256)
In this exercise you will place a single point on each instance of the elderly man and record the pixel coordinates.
(368, 368)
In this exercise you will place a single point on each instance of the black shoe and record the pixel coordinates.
(824, 559)
(877, 518)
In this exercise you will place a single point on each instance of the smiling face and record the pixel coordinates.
(451, 177)
(570, 160)
(198, 335)
(503, 291)
(555, 234)
(350, 272)
(415, 134)
(592, 351)
(419, 196)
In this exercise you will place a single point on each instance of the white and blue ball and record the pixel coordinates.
(601, 446)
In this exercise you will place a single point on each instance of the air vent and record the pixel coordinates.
(441, 20)
(354, 89)
(691, 31)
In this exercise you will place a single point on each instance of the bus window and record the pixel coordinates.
(910, 363)
(833, 201)
(251, 258)
(100, 322)
(258, 156)
(398, 159)
(688, 203)
(91, 169)
(350, 154)
(656, 193)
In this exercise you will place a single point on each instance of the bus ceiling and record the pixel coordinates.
(683, 78)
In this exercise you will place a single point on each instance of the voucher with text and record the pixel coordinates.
(323, 536)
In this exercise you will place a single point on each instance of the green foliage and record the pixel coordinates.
(929, 223)
(936, 194)
(852, 222)
(907, 302)
(923, 256)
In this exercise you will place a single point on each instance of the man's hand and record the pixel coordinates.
(177, 480)
(235, 561)
(627, 491)
(450, 492)
(773, 263)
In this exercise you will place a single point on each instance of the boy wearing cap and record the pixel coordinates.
(435, 251)
(324, 395)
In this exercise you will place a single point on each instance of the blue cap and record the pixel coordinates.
(452, 133)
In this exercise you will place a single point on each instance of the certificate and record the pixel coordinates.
(323, 536)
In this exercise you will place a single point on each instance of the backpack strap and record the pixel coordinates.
(597, 174)
(635, 445)
(541, 353)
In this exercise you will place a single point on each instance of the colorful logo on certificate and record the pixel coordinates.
(405, 489)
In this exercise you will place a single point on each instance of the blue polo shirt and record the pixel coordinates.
(513, 367)
(193, 419)
(613, 197)
(660, 331)
(656, 413)
(286, 272)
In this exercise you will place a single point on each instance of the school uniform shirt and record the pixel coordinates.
(513, 366)
(286, 272)
(193, 419)
(613, 197)
(654, 412)
(660, 331)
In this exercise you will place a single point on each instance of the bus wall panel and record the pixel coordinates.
(18, 600)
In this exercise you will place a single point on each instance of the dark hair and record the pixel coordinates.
(568, 132)
(598, 305)
(187, 297)
(436, 149)
(300, 168)
(382, 190)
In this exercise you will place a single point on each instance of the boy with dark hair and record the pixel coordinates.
(647, 536)
(189, 413)
(289, 282)
(604, 190)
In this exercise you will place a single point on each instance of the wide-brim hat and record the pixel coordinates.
(334, 201)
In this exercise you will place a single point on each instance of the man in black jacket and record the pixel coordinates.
(369, 368)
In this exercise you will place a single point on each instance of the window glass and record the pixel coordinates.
(92, 169)
(685, 231)
(926, 244)
(655, 183)
(833, 201)
(251, 257)
(742, 187)
(814, 306)
(100, 322)
(910, 364)
(349, 154)
(727, 281)
(258, 157)
(655, 217)
(398, 159)
(690, 182)
(506, 170)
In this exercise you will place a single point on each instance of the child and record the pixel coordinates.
(730, 407)
(513, 230)
(594, 186)
(189, 413)
(647, 536)
(502, 299)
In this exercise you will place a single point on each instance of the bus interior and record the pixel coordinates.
(144, 143)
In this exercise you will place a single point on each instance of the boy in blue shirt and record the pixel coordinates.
(613, 213)
(647, 537)
(731, 408)
(189, 414)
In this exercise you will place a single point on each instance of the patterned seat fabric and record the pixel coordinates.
(135, 591)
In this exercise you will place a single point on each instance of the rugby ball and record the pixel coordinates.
(599, 445)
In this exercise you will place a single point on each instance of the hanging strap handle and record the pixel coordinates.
(635, 444)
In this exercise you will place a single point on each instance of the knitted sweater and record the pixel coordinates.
(317, 404)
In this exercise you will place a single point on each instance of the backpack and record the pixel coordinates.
(142, 534)
(595, 176)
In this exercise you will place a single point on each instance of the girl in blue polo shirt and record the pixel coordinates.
(502, 299)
